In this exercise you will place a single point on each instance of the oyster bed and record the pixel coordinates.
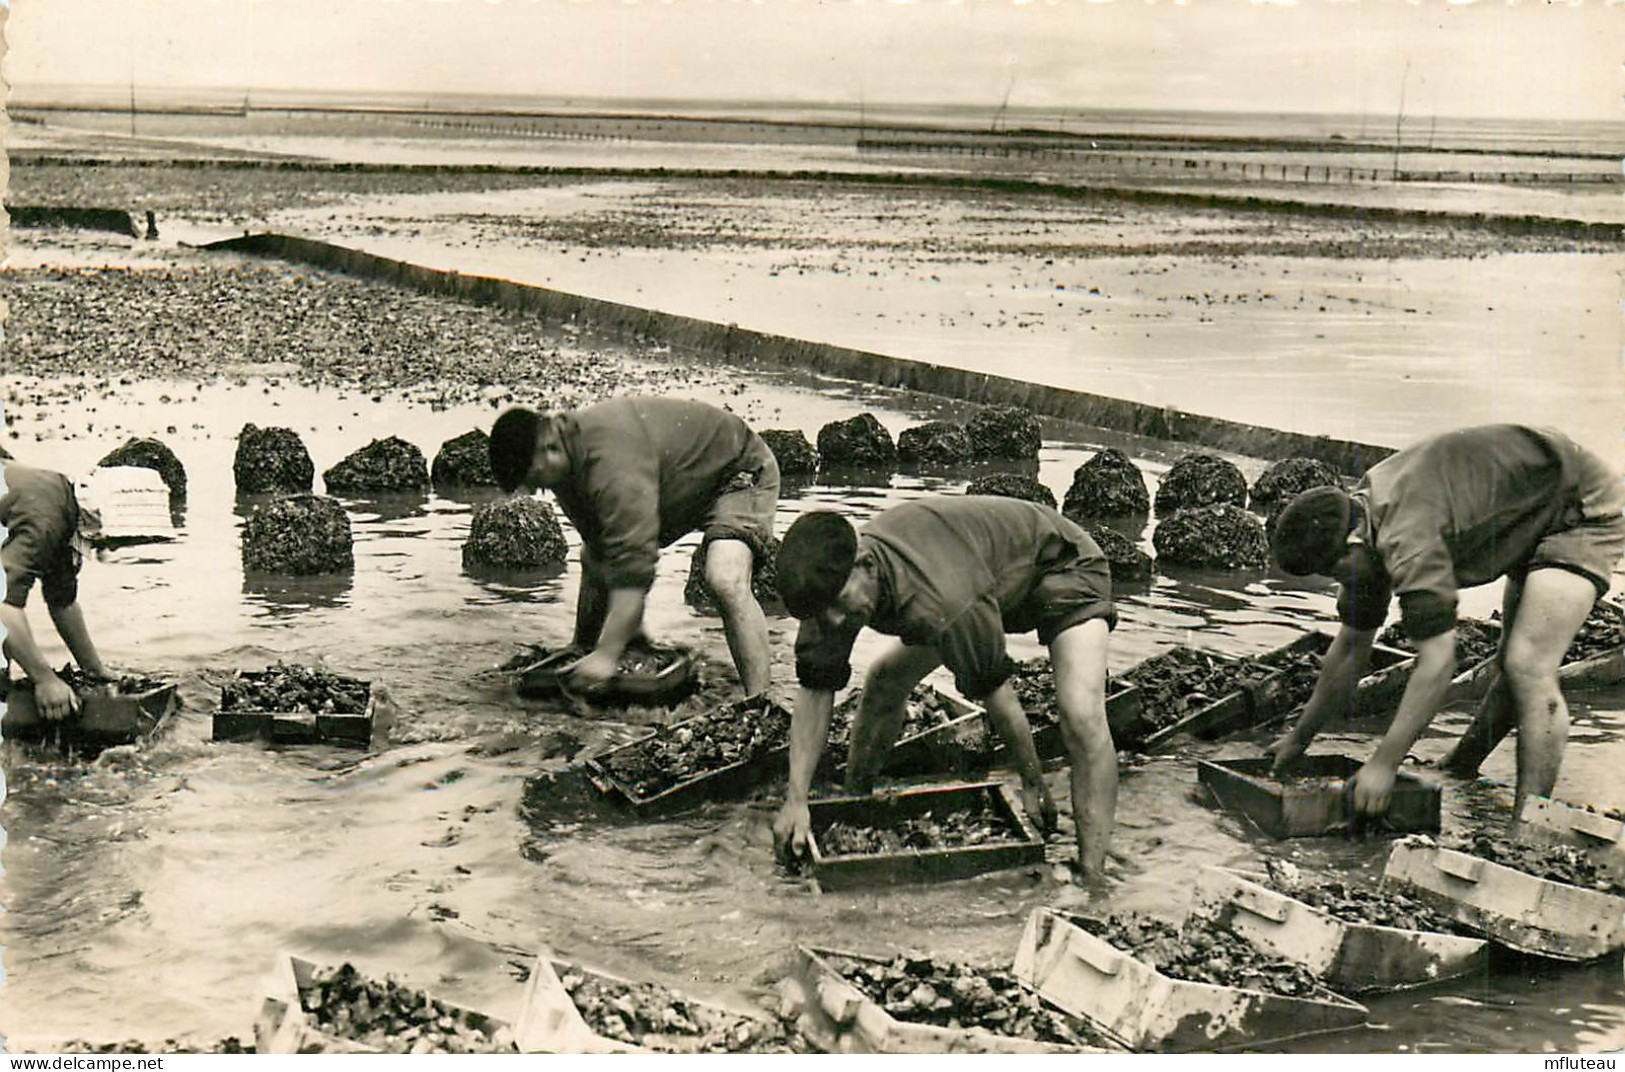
(650, 1016)
(955, 829)
(1203, 953)
(684, 750)
(1559, 863)
(945, 993)
(1182, 681)
(390, 1017)
(290, 689)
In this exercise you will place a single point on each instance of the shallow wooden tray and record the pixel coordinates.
(1315, 808)
(1515, 909)
(1024, 846)
(102, 721)
(1146, 1010)
(1351, 957)
(840, 1018)
(283, 727)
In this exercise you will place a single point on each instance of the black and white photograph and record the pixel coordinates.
(813, 527)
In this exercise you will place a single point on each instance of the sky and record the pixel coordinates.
(1481, 59)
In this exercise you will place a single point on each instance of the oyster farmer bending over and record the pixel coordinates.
(633, 475)
(47, 531)
(1454, 511)
(950, 577)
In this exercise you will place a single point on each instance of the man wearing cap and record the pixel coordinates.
(1454, 511)
(950, 576)
(45, 530)
(633, 475)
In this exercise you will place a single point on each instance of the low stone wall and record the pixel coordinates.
(739, 346)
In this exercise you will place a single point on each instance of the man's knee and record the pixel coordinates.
(728, 566)
(1084, 728)
(1528, 671)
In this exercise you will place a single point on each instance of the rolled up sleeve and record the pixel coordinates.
(23, 560)
(823, 656)
(1425, 581)
(1364, 606)
(626, 503)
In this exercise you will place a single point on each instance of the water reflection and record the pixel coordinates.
(852, 477)
(382, 509)
(541, 584)
(281, 596)
(469, 494)
(1129, 526)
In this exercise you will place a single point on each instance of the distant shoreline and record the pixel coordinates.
(1110, 127)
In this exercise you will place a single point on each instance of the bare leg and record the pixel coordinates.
(880, 713)
(1497, 714)
(1553, 607)
(1079, 656)
(728, 571)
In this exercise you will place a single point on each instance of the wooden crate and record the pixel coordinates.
(840, 1018)
(1593, 672)
(1515, 909)
(543, 679)
(1378, 691)
(1599, 671)
(1320, 805)
(283, 727)
(928, 751)
(1025, 844)
(283, 1026)
(1601, 837)
(1225, 713)
(102, 720)
(551, 1022)
(1146, 1010)
(728, 782)
(969, 745)
(1350, 957)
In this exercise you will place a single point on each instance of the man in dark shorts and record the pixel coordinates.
(1454, 511)
(633, 475)
(949, 577)
(44, 528)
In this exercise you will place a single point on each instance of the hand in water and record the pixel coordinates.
(790, 831)
(592, 671)
(56, 700)
(1373, 788)
(1285, 750)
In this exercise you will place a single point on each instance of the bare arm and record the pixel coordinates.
(1435, 665)
(809, 732)
(1424, 692)
(70, 625)
(1004, 711)
(21, 645)
(1345, 663)
(622, 622)
(56, 700)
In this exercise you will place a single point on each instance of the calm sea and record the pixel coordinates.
(1567, 137)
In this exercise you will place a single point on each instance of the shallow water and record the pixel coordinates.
(149, 894)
